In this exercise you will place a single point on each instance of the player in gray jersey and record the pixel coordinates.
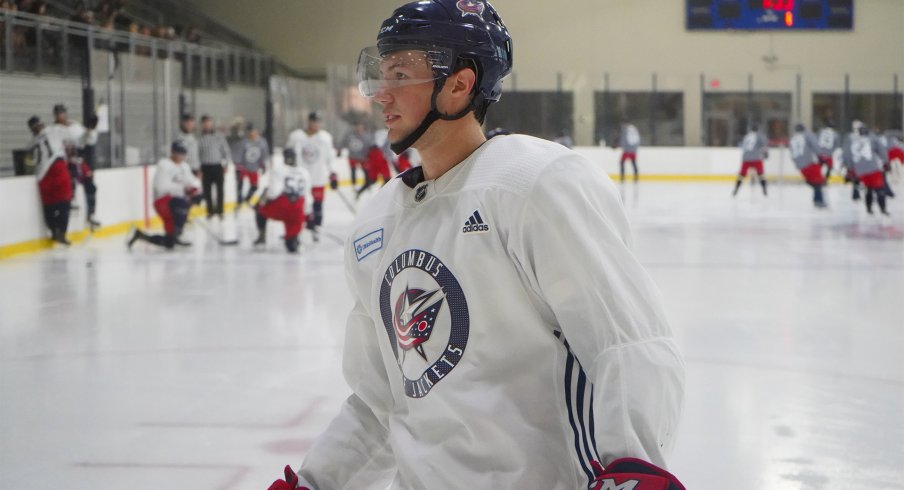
(254, 156)
(357, 141)
(754, 150)
(827, 141)
(847, 160)
(867, 164)
(804, 150)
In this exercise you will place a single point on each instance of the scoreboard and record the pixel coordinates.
(777, 15)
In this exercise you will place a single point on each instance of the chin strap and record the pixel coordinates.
(431, 117)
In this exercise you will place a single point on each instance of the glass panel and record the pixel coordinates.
(727, 115)
(540, 114)
(658, 116)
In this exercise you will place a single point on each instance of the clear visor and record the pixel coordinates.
(400, 67)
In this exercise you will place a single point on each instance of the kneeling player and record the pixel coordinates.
(804, 150)
(283, 200)
(54, 179)
(175, 188)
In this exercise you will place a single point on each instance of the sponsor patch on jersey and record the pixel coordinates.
(368, 244)
(470, 7)
(425, 314)
(475, 224)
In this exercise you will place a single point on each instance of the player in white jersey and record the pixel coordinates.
(503, 335)
(54, 180)
(175, 189)
(283, 200)
(79, 142)
(314, 148)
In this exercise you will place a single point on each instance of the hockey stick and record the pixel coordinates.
(333, 237)
(219, 239)
(347, 203)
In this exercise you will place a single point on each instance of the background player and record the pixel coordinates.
(175, 185)
(357, 141)
(314, 148)
(284, 200)
(215, 157)
(482, 355)
(629, 142)
(54, 180)
(254, 157)
(804, 149)
(376, 167)
(868, 167)
(754, 151)
(79, 143)
(827, 143)
(190, 142)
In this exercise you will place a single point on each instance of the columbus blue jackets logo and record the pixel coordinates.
(470, 7)
(310, 153)
(426, 318)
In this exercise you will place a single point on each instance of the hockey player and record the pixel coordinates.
(828, 142)
(847, 159)
(804, 149)
(314, 147)
(503, 334)
(628, 141)
(565, 140)
(868, 167)
(190, 142)
(376, 167)
(54, 180)
(79, 143)
(215, 157)
(175, 187)
(895, 150)
(357, 142)
(283, 200)
(754, 151)
(254, 157)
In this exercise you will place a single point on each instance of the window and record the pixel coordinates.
(540, 114)
(726, 116)
(658, 116)
(875, 110)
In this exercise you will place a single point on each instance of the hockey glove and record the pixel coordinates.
(91, 121)
(334, 181)
(290, 483)
(643, 476)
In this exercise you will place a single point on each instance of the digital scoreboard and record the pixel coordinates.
(776, 15)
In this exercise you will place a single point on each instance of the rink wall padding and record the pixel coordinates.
(120, 201)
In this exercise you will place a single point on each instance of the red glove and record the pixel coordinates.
(290, 483)
(334, 181)
(643, 475)
(191, 191)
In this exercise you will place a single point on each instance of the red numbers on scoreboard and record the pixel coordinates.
(784, 5)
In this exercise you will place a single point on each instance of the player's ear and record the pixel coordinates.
(464, 82)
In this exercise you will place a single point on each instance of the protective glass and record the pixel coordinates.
(405, 65)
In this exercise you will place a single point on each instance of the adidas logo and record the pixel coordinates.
(475, 224)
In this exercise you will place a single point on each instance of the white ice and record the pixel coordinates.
(213, 367)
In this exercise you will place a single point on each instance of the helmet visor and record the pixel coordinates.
(401, 66)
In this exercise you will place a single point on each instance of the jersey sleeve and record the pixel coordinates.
(354, 452)
(573, 248)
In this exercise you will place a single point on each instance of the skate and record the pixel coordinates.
(134, 235)
(261, 240)
(60, 237)
(182, 243)
(93, 224)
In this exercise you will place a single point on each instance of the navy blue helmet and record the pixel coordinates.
(453, 34)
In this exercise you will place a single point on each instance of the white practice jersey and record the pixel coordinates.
(503, 334)
(46, 147)
(74, 135)
(173, 179)
(315, 152)
(289, 180)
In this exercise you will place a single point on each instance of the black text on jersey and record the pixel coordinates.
(475, 224)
